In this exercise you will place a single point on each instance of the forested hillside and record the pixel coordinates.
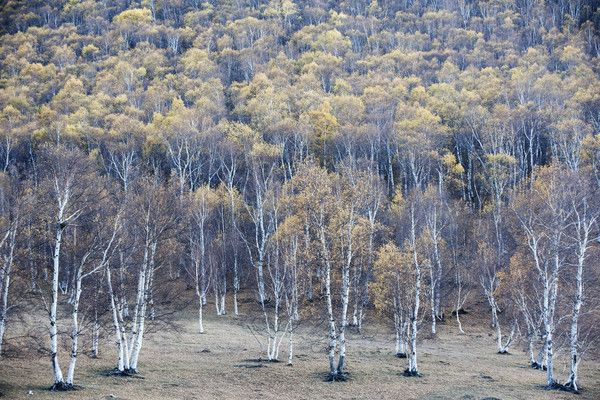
(341, 162)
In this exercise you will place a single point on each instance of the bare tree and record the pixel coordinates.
(68, 192)
(10, 209)
(585, 217)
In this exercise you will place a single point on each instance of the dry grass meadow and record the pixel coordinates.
(223, 364)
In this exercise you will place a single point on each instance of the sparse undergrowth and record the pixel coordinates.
(232, 369)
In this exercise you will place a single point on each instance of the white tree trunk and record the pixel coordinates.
(58, 375)
(345, 289)
(3, 311)
(236, 283)
(5, 282)
(2, 330)
(146, 283)
(141, 287)
(572, 381)
(290, 342)
(583, 226)
(344, 321)
(530, 338)
(413, 368)
(549, 323)
(332, 344)
(400, 331)
(432, 299)
(74, 329)
(496, 324)
(95, 336)
(120, 339)
(200, 316)
(198, 267)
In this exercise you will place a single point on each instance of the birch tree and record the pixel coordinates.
(93, 250)
(490, 280)
(435, 222)
(204, 212)
(10, 221)
(282, 272)
(230, 163)
(260, 161)
(327, 203)
(585, 216)
(155, 220)
(369, 193)
(543, 216)
(149, 217)
(68, 190)
(392, 291)
(414, 219)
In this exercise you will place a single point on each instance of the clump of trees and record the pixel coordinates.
(349, 160)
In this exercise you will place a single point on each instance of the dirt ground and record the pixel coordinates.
(222, 364)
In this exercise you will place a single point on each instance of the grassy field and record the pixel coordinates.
(222, 364)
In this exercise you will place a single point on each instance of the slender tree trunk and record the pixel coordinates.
(344, 321)
(583, 228)
(550, 360)
(200, 316)
(140, 294)
(413, 369)
(549, 322)
(572, 381)
(332, 331)
(3, 311)
(217, 301)
(74, 329)
(432, 299)
(400, 330)
(142, 315)
(438, 281)
(290, 341)
(345, 298)
(530, 338)
(138, 323)
(58, 375)
(120, 340)
(541, 358)
(236, 283)
(5, 282)
(496, 323)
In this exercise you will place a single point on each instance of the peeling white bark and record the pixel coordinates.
(5, 276)
(412, 360)
(583, 230)
(118, 327)
(58, 375)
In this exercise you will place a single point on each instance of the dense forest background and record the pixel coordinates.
(348, 158)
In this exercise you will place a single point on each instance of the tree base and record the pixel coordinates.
(127, 373)
(337, 377)
(568, 387)
(64, 387)
(535, 365)
(504, 352)
(262, 360)
(411, 373)
(401, 355)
